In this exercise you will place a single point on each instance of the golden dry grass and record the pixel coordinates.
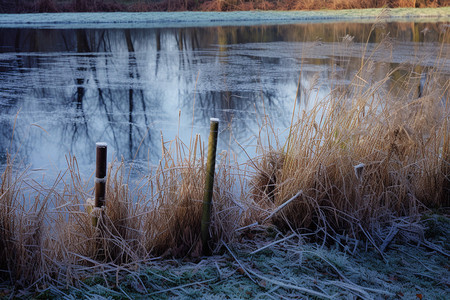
(22, 228)
(359, 160)
(173, 225)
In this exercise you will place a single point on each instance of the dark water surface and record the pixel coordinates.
(70, 88)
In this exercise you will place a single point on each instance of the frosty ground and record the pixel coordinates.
(264, 264)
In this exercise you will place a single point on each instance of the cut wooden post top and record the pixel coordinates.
(101, 150)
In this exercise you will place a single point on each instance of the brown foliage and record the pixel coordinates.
(209, 5)
(173, 226)
(372, 158)
(22, 249)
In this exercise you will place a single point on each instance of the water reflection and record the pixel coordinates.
(125, 86)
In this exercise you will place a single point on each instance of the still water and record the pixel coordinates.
(62, 90)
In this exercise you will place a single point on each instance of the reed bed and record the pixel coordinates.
(48, 235)
(362, 164)
(361, 157)
(174, 225)
(21, 231)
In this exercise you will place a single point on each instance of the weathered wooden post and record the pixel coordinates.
(100, 177)
(209, 185)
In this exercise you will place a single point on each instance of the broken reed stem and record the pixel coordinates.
(209, 185)
(100, 177)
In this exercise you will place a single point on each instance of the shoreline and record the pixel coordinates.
(201, 19)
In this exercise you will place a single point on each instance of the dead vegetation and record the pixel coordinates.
(173, 226)
(362, 167)
(41, 6)
(360, 158)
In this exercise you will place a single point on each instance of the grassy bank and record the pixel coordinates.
(258, 268)
(10, 6)
(358, 191)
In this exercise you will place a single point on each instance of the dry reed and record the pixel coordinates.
(47, 235)
(361, 158)
(22, 245)
(173, 225)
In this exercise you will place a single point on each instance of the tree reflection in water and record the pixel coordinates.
(124, 86)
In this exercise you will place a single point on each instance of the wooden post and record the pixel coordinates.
(100, 177)
(209, 185)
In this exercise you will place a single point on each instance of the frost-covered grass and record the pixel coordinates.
(264, 264)
(194, 19)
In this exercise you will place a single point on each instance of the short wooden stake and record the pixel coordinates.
(209, 185)
(100, 178)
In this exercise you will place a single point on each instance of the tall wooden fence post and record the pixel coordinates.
(209, 185)
(100, 177)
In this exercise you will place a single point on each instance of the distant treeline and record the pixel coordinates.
(28, 6)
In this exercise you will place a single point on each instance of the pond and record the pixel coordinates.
(63, 88)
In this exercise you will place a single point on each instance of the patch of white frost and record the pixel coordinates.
(199, 19)
(101, 144)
